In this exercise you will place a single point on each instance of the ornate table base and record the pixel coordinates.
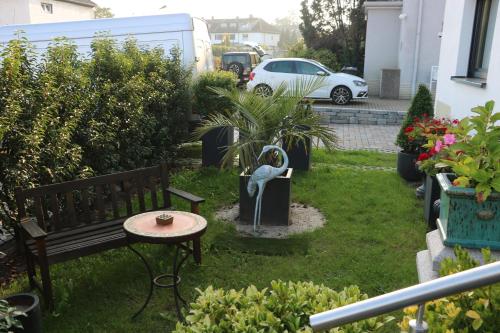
(176, 279)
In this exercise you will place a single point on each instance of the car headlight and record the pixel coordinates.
(359, 83)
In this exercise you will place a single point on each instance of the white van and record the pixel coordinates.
(188, 33)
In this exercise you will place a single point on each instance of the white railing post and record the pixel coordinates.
(419, 325)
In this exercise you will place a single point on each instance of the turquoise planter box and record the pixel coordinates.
(462, 221)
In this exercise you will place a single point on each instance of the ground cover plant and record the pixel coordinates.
(100, 293)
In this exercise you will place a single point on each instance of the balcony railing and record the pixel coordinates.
(414, 295)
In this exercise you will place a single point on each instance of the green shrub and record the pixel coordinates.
(473, 311)
(63, 117)
(421, 107)
(324, 56)
(207, 101)
(284, 307)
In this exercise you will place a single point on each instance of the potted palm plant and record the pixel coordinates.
(207, 102)
(470, 197)
(268, 120)
(421, 107)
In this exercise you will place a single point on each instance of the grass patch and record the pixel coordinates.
(357, 157)
(374, 229)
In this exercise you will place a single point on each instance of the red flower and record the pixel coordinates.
(423, 157)
(409, 129)
(432, 152)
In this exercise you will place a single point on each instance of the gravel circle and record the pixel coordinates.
(304, 218)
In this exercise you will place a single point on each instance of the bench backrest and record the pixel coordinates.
(94, 200)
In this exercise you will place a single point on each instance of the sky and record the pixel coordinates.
(269, 10)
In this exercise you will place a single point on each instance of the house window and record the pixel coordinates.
(482, 38)
(245, 36)
(219, 37)
(232, 25)
(47, 8)
(223, 25)
(232, 36)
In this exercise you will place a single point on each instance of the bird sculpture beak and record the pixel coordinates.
(258, 158)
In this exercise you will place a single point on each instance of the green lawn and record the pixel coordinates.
(373, 232)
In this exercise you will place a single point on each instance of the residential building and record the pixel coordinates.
(240, 30)
(45, 11)
(402, 35)
(469, 67)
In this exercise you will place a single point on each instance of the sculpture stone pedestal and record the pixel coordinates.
(429, 261)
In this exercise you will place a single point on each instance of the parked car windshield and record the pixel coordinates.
(241, 58)
(323, 66)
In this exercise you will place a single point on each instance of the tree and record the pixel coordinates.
(335, 25)
(103, 12)
(289, 31)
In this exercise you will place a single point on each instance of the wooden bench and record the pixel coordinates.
(64, 221)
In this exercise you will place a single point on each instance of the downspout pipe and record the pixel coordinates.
(417, 48)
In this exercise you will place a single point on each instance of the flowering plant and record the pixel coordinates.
(433, 135)
(475, 157)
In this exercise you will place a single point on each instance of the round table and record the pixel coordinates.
(186, 227)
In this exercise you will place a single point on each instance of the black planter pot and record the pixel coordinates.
(214, 145)
(276, 200)
(432, 193)
(407, 167)
(299, 154)
(30, 304)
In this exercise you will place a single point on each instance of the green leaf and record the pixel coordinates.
(495, 183)
(476, 324)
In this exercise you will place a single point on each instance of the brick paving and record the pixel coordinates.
(372, 103)
(366, 137)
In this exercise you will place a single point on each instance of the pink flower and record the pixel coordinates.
(439, 145)
(449, 139)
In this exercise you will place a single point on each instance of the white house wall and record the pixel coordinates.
(428, 54)
(62, 11)
(382, 43)
(14, 12)
(455, 99)
(257, 37)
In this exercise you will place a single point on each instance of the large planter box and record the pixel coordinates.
(463, 221)
(214, 145)
(299, 155)
(432, 193)
(407, 167)
(276, 200)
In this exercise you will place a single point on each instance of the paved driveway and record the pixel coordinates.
(366, 137)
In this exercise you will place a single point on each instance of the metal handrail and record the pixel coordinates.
(414, 295)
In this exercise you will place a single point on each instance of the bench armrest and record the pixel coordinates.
(185, 195)
(30, 226)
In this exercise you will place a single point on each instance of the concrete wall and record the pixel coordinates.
(14, 12)
(455, 99)
(62, 11)
(382, 41)
(430, 43)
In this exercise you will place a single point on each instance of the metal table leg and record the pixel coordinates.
(151, 281)
(176, 279)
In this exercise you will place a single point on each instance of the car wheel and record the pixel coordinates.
(263, 90)
(341, 95)
(236, 68)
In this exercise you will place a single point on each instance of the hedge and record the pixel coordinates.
(64, 116)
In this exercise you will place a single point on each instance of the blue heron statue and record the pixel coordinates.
(260, 177)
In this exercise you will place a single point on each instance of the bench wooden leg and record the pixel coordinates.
(197, 250)
(195, 208)
(45, 274)
(30, 270)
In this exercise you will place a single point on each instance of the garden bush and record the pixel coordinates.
(324, 56)
(284, 307)
(63, 116)
(421, 107)
(473, 311)
(207, 101)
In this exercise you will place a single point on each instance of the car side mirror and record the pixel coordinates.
(321, 73)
